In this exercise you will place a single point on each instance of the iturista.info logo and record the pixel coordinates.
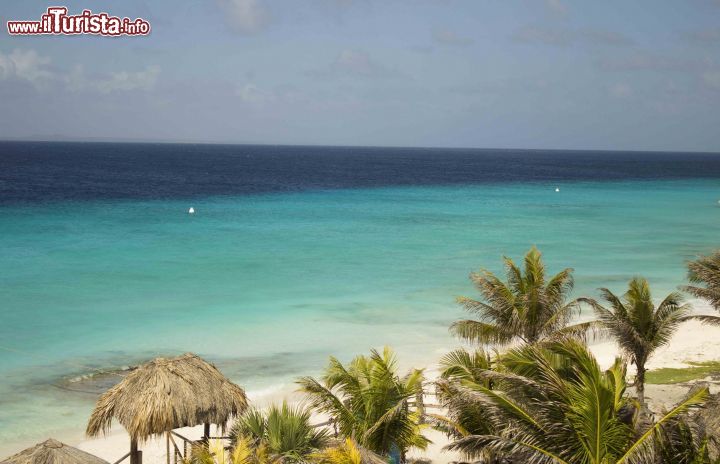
(57, 21)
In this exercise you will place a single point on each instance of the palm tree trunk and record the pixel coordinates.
(640, 385)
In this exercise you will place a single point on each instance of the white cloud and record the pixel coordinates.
(28, 65)
(342, 3)
(546, 36)
(712, 79)
(355, 61)
(245, 16)
(124, 80)
(708, 36)
(564, 37)
(250, 93)
(447, 37)
(556, 6)
(652, 62)
(351, 62)
(597, 36)
(620, 90)
(119, 81)
(25, 65)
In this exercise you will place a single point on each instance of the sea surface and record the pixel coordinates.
(297, 253)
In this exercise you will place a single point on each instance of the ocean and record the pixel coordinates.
(298, 253)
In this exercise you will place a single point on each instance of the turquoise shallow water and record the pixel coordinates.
(268, 285)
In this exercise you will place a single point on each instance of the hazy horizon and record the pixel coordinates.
(420, 147)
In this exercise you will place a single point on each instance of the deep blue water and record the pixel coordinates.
(39, 172)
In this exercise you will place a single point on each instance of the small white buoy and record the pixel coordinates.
(191, 210)
(557, 189)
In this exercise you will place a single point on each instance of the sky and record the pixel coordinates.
(615, 75)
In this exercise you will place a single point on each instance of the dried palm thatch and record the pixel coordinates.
(53, 452)
(165, 394)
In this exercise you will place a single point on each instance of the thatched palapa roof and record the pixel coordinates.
(53, 452)
(166, 394)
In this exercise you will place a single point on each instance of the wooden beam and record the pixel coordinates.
(135, 453)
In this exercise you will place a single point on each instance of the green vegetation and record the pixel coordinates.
(370, 402)
(639, 328)
(243, 452)
(547, 401)
(697, 370)
(544, 401)
(552, 403)
(347, 452)
(704, 274)
(281, 432)
(527, 307)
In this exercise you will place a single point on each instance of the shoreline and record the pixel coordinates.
(685, 346)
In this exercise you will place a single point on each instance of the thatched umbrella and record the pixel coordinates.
(166, 394)
(53, 452)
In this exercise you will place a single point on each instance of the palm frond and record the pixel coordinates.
(704, 272)
(643, 445)
(527, 306)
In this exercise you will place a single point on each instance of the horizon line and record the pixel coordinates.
(266, 144)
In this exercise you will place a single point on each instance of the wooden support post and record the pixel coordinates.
(135, 454)
(176, 450)
(206, 434)
(167, 447)
(420, 406)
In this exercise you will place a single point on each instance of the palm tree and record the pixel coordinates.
(527, 307)
(347, 452)
(463, 418)
(705, 274)
(283, 432)
(243, 452)
(552, 404)
(638, 326)
(370, 403)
